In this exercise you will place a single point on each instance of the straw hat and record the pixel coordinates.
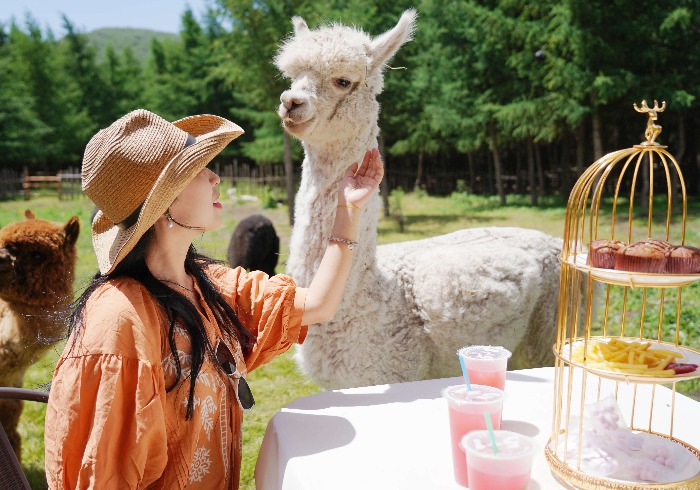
(134, 169)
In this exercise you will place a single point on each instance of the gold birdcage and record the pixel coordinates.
(628, 195)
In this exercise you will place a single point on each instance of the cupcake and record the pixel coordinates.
(661, 245)
(603, 253)
(642, 256)
(683, 260)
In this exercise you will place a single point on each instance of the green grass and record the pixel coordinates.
(280, 382)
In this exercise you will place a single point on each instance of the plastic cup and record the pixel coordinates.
(486, 364)
(466, 412)
(509, 469)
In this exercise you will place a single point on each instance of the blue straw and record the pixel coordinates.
(487, 417)
(489, 426)
(464, 372)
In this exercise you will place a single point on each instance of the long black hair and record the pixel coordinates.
(178, 309)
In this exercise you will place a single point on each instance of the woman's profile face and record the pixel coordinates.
(198, 204)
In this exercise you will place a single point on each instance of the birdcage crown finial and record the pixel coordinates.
(653, 130)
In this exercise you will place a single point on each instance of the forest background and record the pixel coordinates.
(508, 96)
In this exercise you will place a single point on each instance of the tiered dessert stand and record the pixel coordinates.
(627, 195)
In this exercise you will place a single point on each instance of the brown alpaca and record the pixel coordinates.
(37, 262)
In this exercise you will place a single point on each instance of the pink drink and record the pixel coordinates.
(479, 479)
(508, 469)
(486, 364)
(497, 379)
(466, 412)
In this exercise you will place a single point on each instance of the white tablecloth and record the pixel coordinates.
(397, 436)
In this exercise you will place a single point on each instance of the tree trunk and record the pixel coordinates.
(562, 162)
(518, 164)
(419, 172)
(580, 149)
(289, 176)
(497, 166)
(540, 172)
(597, 136)
(384, 187)
(472, 176)
(531, 173)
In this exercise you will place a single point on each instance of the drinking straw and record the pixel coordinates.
(489, 425)
(492, 436)
(464, 372)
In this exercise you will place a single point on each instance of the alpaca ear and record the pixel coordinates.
(385, 46)
(299, 25)
(28, 214)
(71, 231)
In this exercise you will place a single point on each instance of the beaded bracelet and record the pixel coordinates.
(351, 244)
(350, 206)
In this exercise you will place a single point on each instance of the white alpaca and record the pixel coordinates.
(407, 307)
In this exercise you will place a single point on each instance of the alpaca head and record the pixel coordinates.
(37, 261)
(336, 73)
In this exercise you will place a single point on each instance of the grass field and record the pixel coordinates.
(279, 382)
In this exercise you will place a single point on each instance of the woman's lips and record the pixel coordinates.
(217, 205)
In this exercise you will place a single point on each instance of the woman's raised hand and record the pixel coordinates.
(361, 181)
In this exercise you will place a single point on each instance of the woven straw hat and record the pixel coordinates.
(134, 169)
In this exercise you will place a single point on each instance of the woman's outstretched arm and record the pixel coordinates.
(356, 189)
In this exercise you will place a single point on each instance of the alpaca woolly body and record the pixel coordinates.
(37, 262)
(409, 306)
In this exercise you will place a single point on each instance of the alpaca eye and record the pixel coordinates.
(342, 82)
(37, 256)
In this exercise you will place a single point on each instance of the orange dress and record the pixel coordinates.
(110, 422)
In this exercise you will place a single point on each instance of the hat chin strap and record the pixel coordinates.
(172, 221)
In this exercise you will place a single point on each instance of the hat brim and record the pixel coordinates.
(212, 134)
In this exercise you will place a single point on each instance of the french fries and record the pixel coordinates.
(627, 357)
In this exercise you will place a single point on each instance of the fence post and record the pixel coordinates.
(25, 183)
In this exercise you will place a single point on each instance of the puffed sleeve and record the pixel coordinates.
(267, 308)
(105, 420)
(105, 424)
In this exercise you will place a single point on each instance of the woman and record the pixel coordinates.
(150, 389)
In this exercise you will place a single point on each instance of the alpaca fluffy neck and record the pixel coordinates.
(316, 204)
(27, 331)
(33, 322)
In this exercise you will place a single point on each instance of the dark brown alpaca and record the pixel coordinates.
(37, 263)
(254, 245)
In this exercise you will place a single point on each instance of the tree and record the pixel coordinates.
(37, 64)
(81, 66)
(257, 28)
(20, 126)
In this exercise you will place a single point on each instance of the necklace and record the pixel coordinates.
(176, 284)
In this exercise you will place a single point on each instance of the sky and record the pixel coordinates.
(88, 15)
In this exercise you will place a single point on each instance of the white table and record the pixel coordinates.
(397, 436)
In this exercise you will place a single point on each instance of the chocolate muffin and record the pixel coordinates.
(661, 245)
(603, 253)
(683, 260)
(641, 256)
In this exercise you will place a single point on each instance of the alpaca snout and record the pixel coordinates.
(290, 102)
(295, 107)
(6, 260)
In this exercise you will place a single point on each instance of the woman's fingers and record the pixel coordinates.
(362, 169)
(375, 169)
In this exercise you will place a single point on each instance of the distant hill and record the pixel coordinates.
(138, 39)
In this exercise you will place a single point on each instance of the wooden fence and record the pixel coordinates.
(248, 179)
(13, 184)
(10, 184)
(256, 180)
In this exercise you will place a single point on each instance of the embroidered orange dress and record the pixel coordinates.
(110, 422)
